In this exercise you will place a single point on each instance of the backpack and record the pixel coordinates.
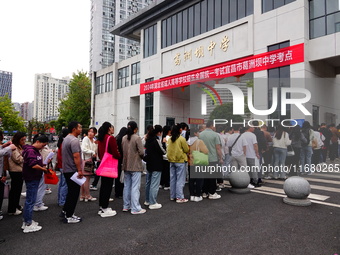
(305, 133)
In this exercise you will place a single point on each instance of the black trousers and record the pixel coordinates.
(209, 185)
(333, 151)
(316, 157)
(324, 154)
(105, 191)
(2, 188)
(165, 178)
(119, 187)
(72, 195)
(15, 192)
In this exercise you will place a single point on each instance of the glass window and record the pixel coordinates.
(333, 23)
(185, 24)
(148, 109)
(204, 16)
(278, 3)
(150, 41)
(211, 14)
(225, 12)
(268, 5)
(233, 10)
(179, 27)
(174, 29)
(146, 42)
(123, 77)
(168, 33)
(100, 84)
(164, 34)
(317, 27)
(250, 7)
(191, 22)
(317, 8)
(197, 18)
(241, 9)
(332, 6)
(135, 73)
(218, 13)
(109, 82)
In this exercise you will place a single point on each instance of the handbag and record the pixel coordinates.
(290, 151)
(200, 159)
(88, 165)
(51, 177)
(109, 165)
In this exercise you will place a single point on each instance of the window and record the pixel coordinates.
(148, 106)
(109, 82)
(123, 77)
(268, 5)
(150, 41)
(100, 84)
(324, 17)
(135, 73)
(278, 78)
(203, 17)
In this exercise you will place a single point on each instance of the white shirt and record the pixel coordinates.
(237, 149)
(251, 140)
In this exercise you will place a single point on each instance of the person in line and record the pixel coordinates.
(212, 140)
(89, 149)
(195, 184)
(306, 149)
(326, 143)
(280, 142)
(316, 157)
(165, 178)
(119, 186)
(154, 165)
(297, 139)
(5, 150)
(72, 163)
(133, 152)
(252, 155)
(62, 186)
(177, 156)
(333, 146)
(32, 173)
(267, 155)
(106, 140)
(16, 162)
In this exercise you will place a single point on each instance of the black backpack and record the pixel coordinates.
(305, 133)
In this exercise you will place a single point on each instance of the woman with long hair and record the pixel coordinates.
(89, 150)
(16, 162)
(177, 156)
(297, 140)
(280, 142)
(105, 137)
(62, 185)
(154, 166)
(306, 150)
(133, 152)
(118, 185)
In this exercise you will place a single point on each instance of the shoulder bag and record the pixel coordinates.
(109, 165)
(200, 159)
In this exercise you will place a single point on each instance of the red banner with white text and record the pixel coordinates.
(273, 59)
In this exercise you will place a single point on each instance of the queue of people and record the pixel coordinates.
(168, 154)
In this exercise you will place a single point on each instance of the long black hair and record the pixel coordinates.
(122, 132)
(131, 126)
(61, 137)
(279, 132)
(103, 130)
(296, 133)
(175, 132)
(17, 137)
(153, 132)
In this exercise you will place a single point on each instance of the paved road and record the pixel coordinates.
(254, 223)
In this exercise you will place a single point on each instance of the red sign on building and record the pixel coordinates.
(273, 59)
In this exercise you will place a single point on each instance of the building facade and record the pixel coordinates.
(195, 51)
(26, 111)
(5, 84)
(48, 92)
(106, 48)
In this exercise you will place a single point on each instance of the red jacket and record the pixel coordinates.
(112, 147)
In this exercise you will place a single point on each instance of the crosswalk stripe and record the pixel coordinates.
(281, 191)
(322, 180)
(318, 187)
(337, 176)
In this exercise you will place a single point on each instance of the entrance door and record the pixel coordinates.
(170, 121)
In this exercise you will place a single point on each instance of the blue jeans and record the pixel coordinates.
(152, 186)
(306, 158)
(131, 192)
(31, 196)
(280, 155)
(62, 189)
(177, 180)
(41, 192)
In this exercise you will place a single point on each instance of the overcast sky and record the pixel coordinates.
(43, 36)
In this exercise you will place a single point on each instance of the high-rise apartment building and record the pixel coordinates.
(48, 92)
(105, 48)
(5, 84)
(26, 111)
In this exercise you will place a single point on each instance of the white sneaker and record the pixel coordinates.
(23, 194)
(48, 191)
(198, 199)
(204, 195)
(146, 203)
(155, 206)
(40, 208)
(107, 212)
(72, 219)
(32, 228)
(33, 223)
(140, 212)
(166, 188)
(214, 196)
(17, 212)
(250, 186)
(192, 199)
(111, 199)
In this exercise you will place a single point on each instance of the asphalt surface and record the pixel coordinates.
(253, 223)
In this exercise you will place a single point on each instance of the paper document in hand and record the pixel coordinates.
(77, 180)
(49, 156)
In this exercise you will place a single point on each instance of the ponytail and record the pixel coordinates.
(131, 126)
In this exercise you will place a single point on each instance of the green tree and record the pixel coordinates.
(225, 111)
(77, 105)
(10, 119)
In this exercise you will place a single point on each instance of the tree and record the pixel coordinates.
(225, 111)
(10, 119)
(77, 105)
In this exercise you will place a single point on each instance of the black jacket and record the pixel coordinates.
(154, 155)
